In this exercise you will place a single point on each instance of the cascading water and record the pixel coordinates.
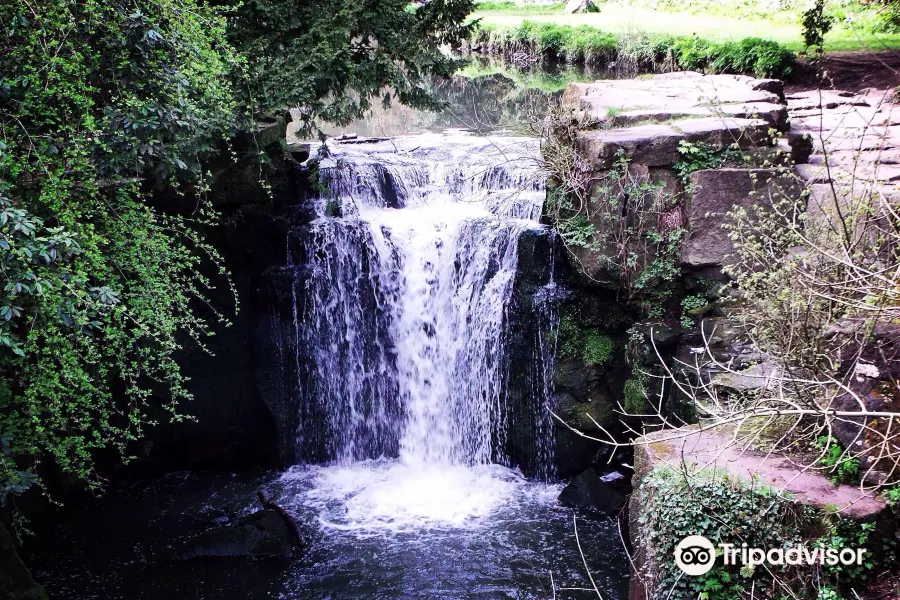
(417, 332)
(408, 278)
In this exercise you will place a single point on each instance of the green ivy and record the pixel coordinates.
(722, 510)
(689, 305)
(100, 104)
(841, 468)
(698, 156)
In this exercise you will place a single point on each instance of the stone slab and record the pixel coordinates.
(713, 450)
(716, 192)
(775, 115)
(656, 145)
(669, 95)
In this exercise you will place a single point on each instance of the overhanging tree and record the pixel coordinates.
(102, 105)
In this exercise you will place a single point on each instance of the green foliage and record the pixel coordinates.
(816, 23)
(846, 533)
(842, 469)
(108, 111)
(585, 44)
(827, 593)
(518, 7)
(581, 44)
(597, 348)
(588, 344)
(688, 304)
(100, 102)
(330, 58)
(892, 497)
(720, 509)
(634, 395)
(642, 248)
(887, 19)
(752, 56)
(697, 156)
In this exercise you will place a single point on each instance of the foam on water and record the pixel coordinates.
(389, 496)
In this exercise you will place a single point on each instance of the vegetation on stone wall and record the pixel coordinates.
(627, 221)
(675, 505)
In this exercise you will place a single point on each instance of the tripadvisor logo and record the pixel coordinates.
(696, 555)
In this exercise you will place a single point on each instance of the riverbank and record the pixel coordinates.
(616, 19)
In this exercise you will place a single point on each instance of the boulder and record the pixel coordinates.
(592, 492)
(263, 534)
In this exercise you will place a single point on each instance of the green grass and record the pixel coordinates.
(711, 26)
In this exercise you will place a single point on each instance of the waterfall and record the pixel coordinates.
(402, 291)
(411, 268)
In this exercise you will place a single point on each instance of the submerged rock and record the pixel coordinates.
(263, 534)
(590, 491)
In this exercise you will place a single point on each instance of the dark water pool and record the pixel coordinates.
(378, 530)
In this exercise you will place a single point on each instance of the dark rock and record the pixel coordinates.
(589, 491)
(299, 151)
(264, 534)
(574, 453)
(801, 145)
(875, 370)
(16, 582)
(773, 86)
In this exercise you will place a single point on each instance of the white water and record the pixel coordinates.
(405, 317)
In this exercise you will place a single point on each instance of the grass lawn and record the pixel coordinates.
(714, 27)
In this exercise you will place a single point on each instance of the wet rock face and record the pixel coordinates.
(592, 492)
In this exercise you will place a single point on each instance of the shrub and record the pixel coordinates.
(584, 44)
(841, 468)
(720, 509)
